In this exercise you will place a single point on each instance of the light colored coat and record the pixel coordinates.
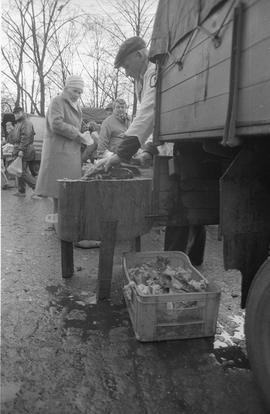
(143, 124)
(61, 152)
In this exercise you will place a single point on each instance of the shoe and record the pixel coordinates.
(18, 194)
(87, 244)
(36, 197)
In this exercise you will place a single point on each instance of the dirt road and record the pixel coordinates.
(64, 354)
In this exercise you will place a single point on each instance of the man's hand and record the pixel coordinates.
(20, 154)
(145, 159)
(110, 161)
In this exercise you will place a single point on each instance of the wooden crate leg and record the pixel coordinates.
(135, 244)
(105, 268)
(67, 259)
(138, 244)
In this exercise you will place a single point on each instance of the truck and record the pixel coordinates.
(213, 103)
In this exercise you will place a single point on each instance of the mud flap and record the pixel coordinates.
(244, 212)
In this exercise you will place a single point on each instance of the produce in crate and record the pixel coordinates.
(160, 277)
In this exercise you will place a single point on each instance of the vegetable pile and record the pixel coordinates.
(159, 277)
(115, 173)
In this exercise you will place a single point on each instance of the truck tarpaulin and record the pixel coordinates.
(175, 19)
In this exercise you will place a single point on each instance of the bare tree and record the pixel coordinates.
(7, 101)
(46, 39)
(13, 53)
(32, 42)
(134, 18)
(97, 64)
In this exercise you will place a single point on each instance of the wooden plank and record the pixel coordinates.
(213, 134)
(199, 88)
(67, 264)
(138, 244)
(105, 268)
(201, 54)
(256, 29)
(199, 61)
(83, 205)
(161, 181)
(195, 117)
(206, 74)
(254, 104)
(229, 137)
(253, 73)
(247, 129)
(256, 18)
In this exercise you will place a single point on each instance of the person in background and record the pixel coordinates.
(133, 57)
(113, 129)
(8, 147)
(4, 180)
(23, 138)
(61, 152)
(89, 151)
(109, 109)
(10, 132)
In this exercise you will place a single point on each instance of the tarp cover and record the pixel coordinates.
(175, 19)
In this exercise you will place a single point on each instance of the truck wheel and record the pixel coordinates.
(257, 328)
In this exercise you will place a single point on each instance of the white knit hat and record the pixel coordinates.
(74, 82)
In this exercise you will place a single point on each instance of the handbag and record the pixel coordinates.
(15, 168)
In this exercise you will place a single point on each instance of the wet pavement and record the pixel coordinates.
(64, 354)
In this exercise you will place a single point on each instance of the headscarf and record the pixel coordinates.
(74, 81)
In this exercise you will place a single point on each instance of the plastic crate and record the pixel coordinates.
(170, 316)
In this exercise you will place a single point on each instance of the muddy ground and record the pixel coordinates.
(64, 354)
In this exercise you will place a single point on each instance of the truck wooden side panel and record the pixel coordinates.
(195, 78)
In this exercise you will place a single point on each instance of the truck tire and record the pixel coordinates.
(257, 328)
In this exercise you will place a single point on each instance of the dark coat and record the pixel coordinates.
(23, 138)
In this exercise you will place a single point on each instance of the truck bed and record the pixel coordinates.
(195, 79)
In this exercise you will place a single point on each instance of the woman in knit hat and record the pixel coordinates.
(61, 152)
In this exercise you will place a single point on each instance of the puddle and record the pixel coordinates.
(85, 317)
(80, 314)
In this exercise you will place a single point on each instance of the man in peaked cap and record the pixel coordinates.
(133, 57)
(133, 44)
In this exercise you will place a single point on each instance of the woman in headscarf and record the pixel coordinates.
(61, 152)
